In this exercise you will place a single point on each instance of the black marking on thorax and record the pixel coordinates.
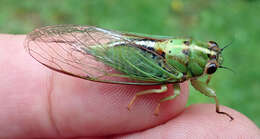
(186, 51)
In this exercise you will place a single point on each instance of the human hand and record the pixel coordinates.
(38, 102)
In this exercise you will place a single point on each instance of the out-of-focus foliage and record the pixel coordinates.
(220, 20)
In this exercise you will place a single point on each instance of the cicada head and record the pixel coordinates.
(192, 58)
(215, 59)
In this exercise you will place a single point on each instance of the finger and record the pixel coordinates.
(201, 121)
(40, 102)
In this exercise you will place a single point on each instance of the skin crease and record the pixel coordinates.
(38, 102)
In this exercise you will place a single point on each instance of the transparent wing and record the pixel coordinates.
(68, 49)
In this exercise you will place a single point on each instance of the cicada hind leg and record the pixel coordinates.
(163, 88)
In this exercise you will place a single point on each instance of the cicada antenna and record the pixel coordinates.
(227, 45)
(227, 68)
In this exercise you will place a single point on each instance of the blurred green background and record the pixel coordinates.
(219, 20)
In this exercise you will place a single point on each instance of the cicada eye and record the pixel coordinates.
(213, 46)
(211, 68)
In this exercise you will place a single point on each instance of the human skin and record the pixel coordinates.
(38, 102)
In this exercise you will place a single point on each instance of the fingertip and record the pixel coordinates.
(220, 124)
(201, 121)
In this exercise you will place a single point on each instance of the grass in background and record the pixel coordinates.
(219, 20)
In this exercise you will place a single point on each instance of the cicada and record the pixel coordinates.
(108, 56)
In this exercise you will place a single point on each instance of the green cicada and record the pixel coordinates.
(108, 56)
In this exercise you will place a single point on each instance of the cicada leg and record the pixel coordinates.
(208, 80)
(177, 91)
(206, 90)
(163, 88)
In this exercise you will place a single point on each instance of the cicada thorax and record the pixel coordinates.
(191, 58)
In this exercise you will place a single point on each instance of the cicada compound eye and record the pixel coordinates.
(211, 68)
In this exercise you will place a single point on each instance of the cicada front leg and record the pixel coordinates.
(208, 79)
(206, 90)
